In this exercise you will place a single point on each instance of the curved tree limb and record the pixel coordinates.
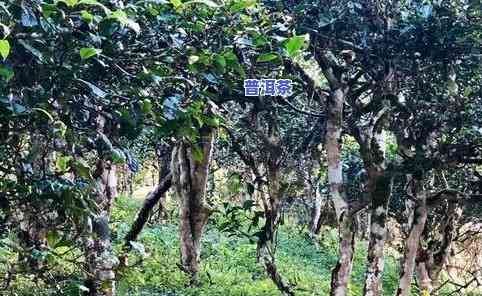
(151, 200)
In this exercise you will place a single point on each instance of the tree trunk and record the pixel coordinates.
(379, 185)
(424, 280)
(266, 248)
(341, 273)
(334, 125)
(315, 214)
(130, 182)
(190, 173)
(101, 261)
(412, 243)
(448, 231)
(151, 200)
(164, 153)
(340, 276)
(431, 261)
(34, 228)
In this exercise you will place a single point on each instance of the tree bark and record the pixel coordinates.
(448, 231)
(266, 248)
(379, 185)
(424, 280)
(430, 261)
(143, 215)
(340, 276)
(130, 182)
(101, 261)
(189, 179)
(420, 213)
(341, 273)
(315, 214)
(164, 153)
(100, 258)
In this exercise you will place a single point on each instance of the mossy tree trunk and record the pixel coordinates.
(189, 177)
(341, 273)
(100, 259)
(379, 185)
(266, 249)
(420, 213)
(272, 155)
(431, 261)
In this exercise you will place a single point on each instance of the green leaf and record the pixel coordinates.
(193, 59)
(260, 41)
(45, 112)
(52, 237)
(121, 17)
(4, 49)
(213, 121)
(86, 53)
(240, 5)
(294, 44)
(231, 59)
(146, 106)
(220, 60)
(82, 169)
(70, 3)
(248, 204)
(95, 3)
(63, 243)
(176, 3)
(197, 153)
(118, 156)
(220, 63)
(48, 9)
(62, 163)
(86, 16)
(208, 3)
(35, 52)
(6, 72)
(267, 57)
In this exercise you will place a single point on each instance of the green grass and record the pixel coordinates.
(228, 263)
(229, 266)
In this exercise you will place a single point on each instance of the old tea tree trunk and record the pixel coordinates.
(430, 261)
(190, 166)
(341, 273)
(379, 187)
(420, 213)
(100, 259)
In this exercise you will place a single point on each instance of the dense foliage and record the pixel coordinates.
(366, 180)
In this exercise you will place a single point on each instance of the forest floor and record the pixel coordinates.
(229, 265)
(228, 262)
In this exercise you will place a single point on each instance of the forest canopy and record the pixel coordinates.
(240, 147)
